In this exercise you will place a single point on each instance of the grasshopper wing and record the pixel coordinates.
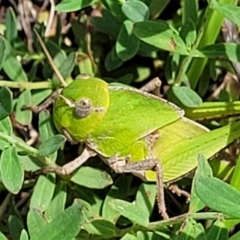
(132, 115)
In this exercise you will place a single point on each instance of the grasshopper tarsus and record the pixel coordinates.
(176, 190)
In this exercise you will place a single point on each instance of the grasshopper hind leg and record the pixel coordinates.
(144, 165)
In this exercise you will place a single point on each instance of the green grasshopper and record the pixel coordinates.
(132, 131)
(102, 116)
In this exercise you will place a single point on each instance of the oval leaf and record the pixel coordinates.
(160, 35)
(35, 222)
(12, 66)
(102, 227)
(5, 102)
(2, 50)
(229, 51)
(229, 11)
(72, 5)
(57, 205)
(11, 26)
(43, 192)
(218, 231)
(186, 96)
(203, 169)
(51, 145)
(130, 211)
(127, 44)
(65, 226)
(112, 61)
(135, 10)
(12, 172)
(218, 195)
(24, 116)
(5, 127)
(92, 178)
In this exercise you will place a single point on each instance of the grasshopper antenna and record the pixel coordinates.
(60, 77)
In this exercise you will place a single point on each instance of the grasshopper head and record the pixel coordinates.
(81, 107)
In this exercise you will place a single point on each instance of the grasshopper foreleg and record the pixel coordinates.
(45, 104)
(149, 164)
(69, 167)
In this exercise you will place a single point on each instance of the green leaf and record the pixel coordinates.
(66, 67)
(73, 5)
(229, 51)
(190, 11)
(135, 11)
(130, 211)
(35, 222)
(228, 11)
(107, 23)
(43, 192)
(101, 227)
(12, 172)
(236, 236)
(146, 197)
(115, 8)
(143, 235)
(65, 226)
(30, 163)
(11, 26)
(92, 178)
(15, 73)
(203, 169)
(2, 237)
(188, 33)
(24, 116)
(47, 130)
(218, 195)
(58, 202)
(5, 102)
(127, 44)
(88, 196)
(129, 236)
(46, 126)
(191, 230)
(38, 97)
(51, 145)
(156, 8)
(2, 50)
(119, 189)
(160, 35)
(24, 235)
(15, 226)
(112, 61)
(186, 96)
(5, 127)
(218, 231)
(85, 64)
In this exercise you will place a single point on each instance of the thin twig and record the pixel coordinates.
(60, 77)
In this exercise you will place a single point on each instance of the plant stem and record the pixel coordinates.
(154, 226)
(26, 85)
(26, 148)
(187, 60)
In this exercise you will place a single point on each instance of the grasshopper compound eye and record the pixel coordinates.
(83, 108)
